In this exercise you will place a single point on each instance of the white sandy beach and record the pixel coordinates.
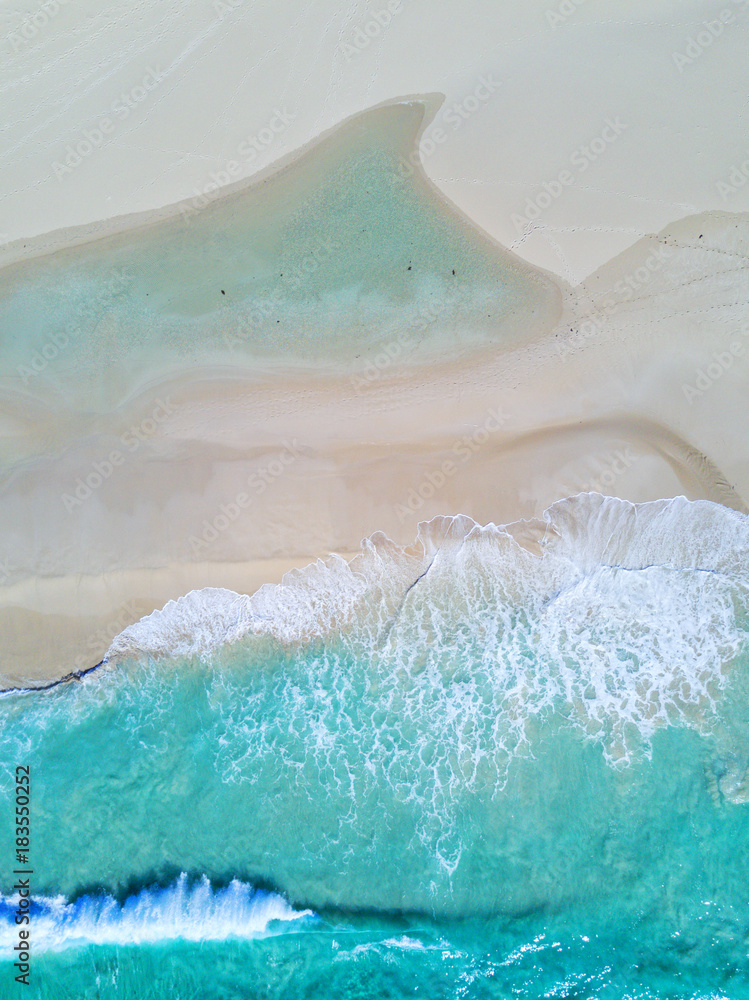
(528, 88)
(633, 384)
(231, 490)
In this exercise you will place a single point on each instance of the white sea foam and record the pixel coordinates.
(309, 602)
(193, 913)
(402, 943)
(627, 617)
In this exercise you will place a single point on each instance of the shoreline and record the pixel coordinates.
(108, 228)
(111, 602)
(498, 437)
(311, 601)
(160, 484)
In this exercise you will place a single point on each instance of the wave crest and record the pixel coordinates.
(628, 615)
(192, 913)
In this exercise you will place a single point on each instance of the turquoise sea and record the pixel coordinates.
(506, 762)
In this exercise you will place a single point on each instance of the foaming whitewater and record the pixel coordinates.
(513, 755)
(180, 911)
(633, 613)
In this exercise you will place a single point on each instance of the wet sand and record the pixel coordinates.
(632, 384)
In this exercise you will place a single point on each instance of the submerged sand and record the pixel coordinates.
(229, 470)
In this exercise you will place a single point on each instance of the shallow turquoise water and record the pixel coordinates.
(325, 265)
(514, 775)
(538, 958)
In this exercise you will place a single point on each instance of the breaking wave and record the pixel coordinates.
(195, 912)
(629, 614)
